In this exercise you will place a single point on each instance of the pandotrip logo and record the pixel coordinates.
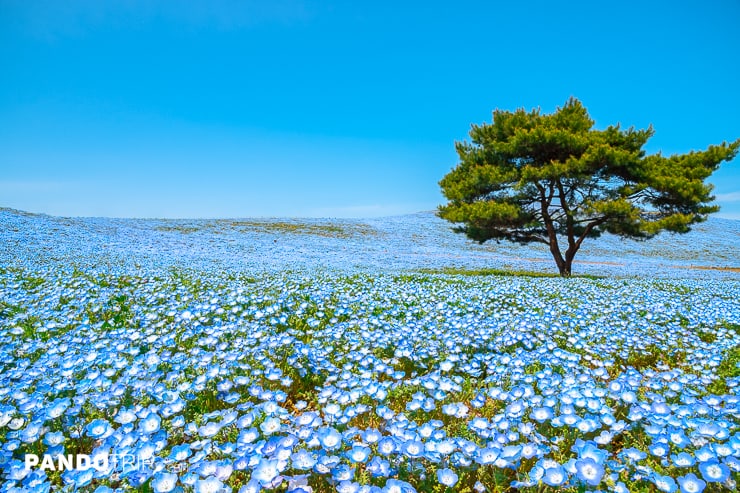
(82, 462)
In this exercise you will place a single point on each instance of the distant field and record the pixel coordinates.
(411, 242)
(364, 356)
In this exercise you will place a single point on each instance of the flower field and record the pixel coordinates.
(317, 356)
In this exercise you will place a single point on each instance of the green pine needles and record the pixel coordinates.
(554, 179)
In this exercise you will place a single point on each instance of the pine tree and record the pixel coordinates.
(554, 179)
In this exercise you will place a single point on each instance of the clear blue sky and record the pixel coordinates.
(326, 108)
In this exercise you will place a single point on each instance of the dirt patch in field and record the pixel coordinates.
(707, 267)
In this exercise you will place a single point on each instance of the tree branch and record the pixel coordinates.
(590, 226)
(568, 220)
(531, 237)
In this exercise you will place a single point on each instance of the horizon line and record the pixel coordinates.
(729, 217)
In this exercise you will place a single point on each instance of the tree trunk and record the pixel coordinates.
(565, 268)
(562, 263)
(559, 260)
(568, 260)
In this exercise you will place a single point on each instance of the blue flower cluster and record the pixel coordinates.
(190, 377)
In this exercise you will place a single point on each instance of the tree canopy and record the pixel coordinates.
(554, 179)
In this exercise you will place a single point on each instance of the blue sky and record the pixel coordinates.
(333, 109)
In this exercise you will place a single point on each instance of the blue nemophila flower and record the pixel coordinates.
(413, 405)
(733, 463)
(358, 454)
(224, 469)
(457, 409)
(682, 459)
(678, 438)
(302, 460)
(629, 397)
(54, 410)
(708, 429)
(386, 446)
(189, 479)
(722, 449)
(329, 438)
(54, 438)
(343, 472)
(266, 471)
(208, 485)
(478, 424)
(714, 471)
(31, 432)
(659, 449)
(248, 436)
(16, 470)
(620, 487)
(298, 484)
(80, 478)
(180, 452)
(146, 450)
(209, 429)
(371, 435)
(604, 437)
(306, 419)
(274, 446)
(705, 453)
(486, 456)
(660, 408)
(398, 486)
(536, 473)
(245, 420)
(554, 476)
(530, 450)
(478, 401)
(98, 429)
(348, 487)
(378, 467)
(164, 482)
(326, 463)
(633, 454)
(589, 471)
(511, 453)
(589, 450)
(447, 477)
(333, 409)
(445, 447)
(664, 483)
(541, 414)
(691, 484)
(125, 416)
(177, 422)
(413, 448)
(36, 482)
(150, 424)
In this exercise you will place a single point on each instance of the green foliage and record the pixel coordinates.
(458, 271)
(304, 384)
(29, 325)
(729, 367)
(707, 336)
(204, 402)
(643, 358)
(116, 313)
(8, 310)
(532, 177)
(346, 230)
